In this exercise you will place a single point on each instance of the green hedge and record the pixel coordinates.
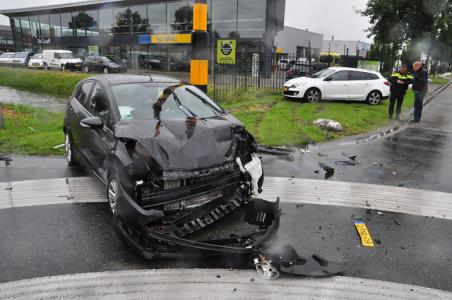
(50, 82)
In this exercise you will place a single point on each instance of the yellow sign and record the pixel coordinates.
(226, 50)
(366, 238)
(171, 38)
(279, 50)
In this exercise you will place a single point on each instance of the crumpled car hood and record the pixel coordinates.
(175, 146)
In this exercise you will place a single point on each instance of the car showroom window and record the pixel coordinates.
(339, 76)
(98, 104)
(83, 93)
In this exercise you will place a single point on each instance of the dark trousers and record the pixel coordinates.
(396, 97)
(418, 105)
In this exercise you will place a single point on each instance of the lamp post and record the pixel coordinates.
(199, 66)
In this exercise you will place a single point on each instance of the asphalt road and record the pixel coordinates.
(76, 238)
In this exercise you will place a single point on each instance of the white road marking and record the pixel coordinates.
(290, 190)
(207, 284)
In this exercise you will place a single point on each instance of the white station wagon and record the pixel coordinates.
(339, 83)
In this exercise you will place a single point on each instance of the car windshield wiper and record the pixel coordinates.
(212, 107)
(183, 107)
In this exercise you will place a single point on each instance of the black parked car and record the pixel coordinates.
(173, 163)
(149, 62)
(119, 61)
(296, 69)
(101, 64)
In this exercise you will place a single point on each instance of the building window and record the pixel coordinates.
(67, 25)
(106, 21)
(180, 17)
(224, 18)
(122, 18)
(55, 26)
(45, 27)
(86, 23)
(26, 33)
(157, 18)
(140, 21)
(251, 18)
(34, 25)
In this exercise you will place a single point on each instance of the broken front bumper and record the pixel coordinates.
(154, 235)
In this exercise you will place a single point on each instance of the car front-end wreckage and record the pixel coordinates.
(184, 182)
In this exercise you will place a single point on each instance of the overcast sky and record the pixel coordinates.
(329, 17)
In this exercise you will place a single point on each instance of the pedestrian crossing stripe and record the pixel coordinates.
(366, 238)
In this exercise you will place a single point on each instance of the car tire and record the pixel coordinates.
(106, 71)
(69, 149)
(374, 98)
(63, 68)
(313, 95)
(86, 69)
(113, 185)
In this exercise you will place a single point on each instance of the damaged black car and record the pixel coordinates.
(175, 166)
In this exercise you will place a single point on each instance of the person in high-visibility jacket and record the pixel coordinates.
(399, 84)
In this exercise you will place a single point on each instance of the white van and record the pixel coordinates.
(61, 59)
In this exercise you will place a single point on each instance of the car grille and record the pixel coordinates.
(291, 93)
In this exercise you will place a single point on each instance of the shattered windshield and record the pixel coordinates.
(147, 101)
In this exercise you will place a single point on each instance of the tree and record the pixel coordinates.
(183, 19)
(408, 28)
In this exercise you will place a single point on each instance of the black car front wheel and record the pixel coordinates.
(113, 192)
(68, 147)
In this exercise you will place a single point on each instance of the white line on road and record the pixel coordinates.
(207, 284)
(290, 190)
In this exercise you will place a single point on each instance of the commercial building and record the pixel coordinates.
(350, 48)
(150, 33)
(294, 41)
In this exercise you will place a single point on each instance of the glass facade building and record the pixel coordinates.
(143, 31)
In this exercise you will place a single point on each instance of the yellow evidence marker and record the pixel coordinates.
(366, 238)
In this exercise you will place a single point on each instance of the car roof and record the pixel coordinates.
(115, 79)
(58, 51)
(352, 69)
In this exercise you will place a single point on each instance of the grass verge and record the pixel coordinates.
(276, 121)
(439, 80)
(31, 131)
(50, 82)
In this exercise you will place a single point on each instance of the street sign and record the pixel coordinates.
(226, 50)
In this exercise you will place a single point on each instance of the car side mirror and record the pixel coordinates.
(328, 79)
(92, 122)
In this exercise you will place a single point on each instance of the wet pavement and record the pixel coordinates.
(414, 156)
(10, 95)
(73, 238)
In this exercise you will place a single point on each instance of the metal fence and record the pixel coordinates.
(258, 71)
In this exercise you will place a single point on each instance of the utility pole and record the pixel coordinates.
(199, 66)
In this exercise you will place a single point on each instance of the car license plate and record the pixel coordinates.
(35, 65)
(366, 238)
(285, 89)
